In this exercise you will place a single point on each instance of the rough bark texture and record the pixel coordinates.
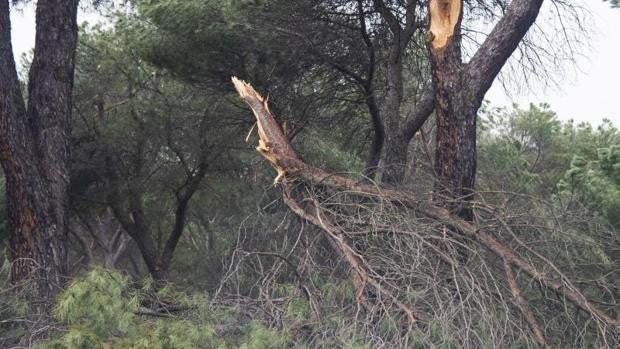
(460, 88)
(378, 140)
(34, 146)
(455, 158)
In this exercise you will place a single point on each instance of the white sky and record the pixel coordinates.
(589, 94)
(592, 91)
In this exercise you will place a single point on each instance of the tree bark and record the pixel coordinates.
(378, 140)
(455, 157)
(34, 147)
(460, 88)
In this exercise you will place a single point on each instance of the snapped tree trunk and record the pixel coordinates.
(34, 147)
(455, 157)
(460, 88)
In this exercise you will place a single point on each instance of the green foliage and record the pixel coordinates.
(191, 38)
(337, 293)
(100, 309)
(153, 98)
(297, 310)
(142, 138)
(321, 150)
(614, 3)
(206, 42)
(522, 149)
(98, 302)
(596, 182)
(260, 337)
(171, 334)
(103, 309)
(77, 338)
(531, 151)
(12, 307)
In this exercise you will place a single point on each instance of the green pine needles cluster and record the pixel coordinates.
(530, 151)
(104, 309)
(597, 181)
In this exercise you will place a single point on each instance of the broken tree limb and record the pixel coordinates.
(272, 143)
(274, 146)
(524, 307)
(362, 274)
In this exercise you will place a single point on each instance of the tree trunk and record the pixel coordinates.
(395, 158)
(460, 88)
(455, 156)
(378, 140)
(398, 135)
(34, 147)
(128, 209)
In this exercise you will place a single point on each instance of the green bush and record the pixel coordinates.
(103, 309)
(100, 310)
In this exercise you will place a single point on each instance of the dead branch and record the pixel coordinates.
(362, 274)
(275, 148)
(524, 307)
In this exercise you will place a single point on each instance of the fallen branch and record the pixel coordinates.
(290, 169)
(524, 307)
(362, 274)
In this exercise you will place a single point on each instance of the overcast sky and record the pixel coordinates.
(590, 92)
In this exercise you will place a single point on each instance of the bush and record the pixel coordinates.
(102, 310)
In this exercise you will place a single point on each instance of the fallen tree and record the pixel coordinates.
(302, 183)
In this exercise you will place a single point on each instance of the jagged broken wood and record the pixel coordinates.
(274, 146)
(276, 149)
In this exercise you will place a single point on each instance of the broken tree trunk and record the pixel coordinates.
(455, 156)
(460, 88)
(291, 171)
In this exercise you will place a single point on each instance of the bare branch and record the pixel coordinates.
(501, 43)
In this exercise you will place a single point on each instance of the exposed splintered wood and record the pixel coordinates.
(444, 17)
(272, 143)
(290, 168)
(274, 146)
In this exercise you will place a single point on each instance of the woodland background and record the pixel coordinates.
(178, 237)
